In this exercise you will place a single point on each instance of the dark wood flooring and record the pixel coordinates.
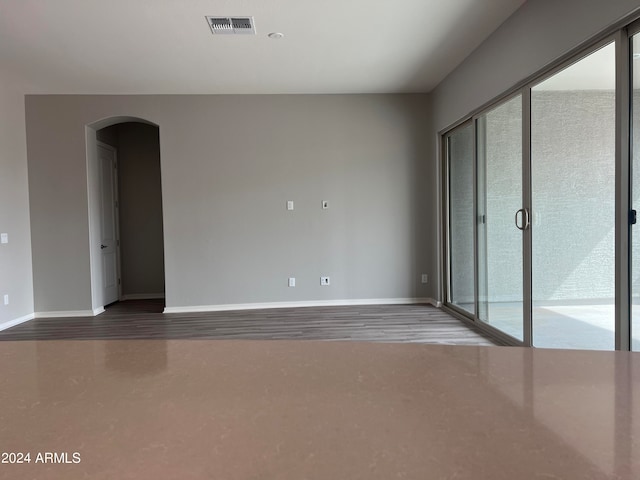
(143, 319)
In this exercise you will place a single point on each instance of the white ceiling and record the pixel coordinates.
(165, 46)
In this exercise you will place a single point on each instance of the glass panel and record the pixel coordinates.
(499, 150)
(460, 168)
(635, 196)
(573, 205)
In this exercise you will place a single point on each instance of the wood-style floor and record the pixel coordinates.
(143, 319)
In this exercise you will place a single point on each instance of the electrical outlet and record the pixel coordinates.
(6, 299)
(292, 281)
(425, 278)
(289, 204)
(4, 238)
(325, 281)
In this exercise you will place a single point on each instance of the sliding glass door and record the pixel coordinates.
(534, 197)
(500, 217)
(459, 153)
(635, 193)
(573, 181)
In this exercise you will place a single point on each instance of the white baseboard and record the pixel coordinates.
(17, 321)
(313, 303)
(70, 313)
(141, 296)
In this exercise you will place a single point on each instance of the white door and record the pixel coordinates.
(108, 237)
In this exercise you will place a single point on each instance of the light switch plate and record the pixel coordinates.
(4, 238)
(325, 281)
(325, 204)
(290, 205)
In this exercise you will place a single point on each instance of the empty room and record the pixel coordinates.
(290, 240)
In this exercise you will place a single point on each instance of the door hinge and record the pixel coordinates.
(633, 217)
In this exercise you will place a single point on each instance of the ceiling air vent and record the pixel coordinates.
(232, 25)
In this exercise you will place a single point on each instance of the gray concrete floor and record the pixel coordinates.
(589, 327)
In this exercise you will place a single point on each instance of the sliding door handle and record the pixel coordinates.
(525, 219)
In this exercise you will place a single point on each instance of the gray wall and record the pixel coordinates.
(229, 164)
(534, 36)
(15, 257)
(140, 198)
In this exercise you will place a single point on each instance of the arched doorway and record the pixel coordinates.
(125, 210)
